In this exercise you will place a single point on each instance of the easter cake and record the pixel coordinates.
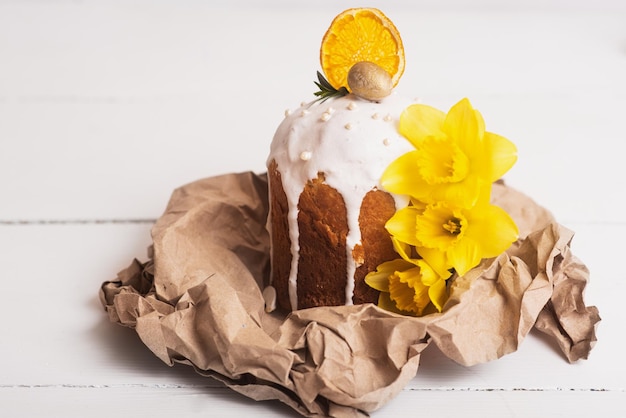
(352, 172)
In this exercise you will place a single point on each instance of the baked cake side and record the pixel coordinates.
(327, 208)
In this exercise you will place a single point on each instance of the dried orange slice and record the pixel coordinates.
(361, 34)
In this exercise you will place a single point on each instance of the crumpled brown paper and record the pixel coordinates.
(198, 301)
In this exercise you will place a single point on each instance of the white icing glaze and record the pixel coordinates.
(352, 160)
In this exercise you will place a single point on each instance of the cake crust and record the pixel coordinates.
(377, 207)
(279, 236)
(322, 257)
(323, 227)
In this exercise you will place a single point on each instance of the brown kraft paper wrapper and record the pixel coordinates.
(198, 301)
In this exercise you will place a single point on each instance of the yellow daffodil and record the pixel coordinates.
(450, 225)
(448, 236)
(408, 285)
(455, 159)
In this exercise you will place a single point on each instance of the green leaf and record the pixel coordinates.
(326, 90)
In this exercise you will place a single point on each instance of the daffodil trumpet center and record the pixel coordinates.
(409, 289)
(453, 226)
(440, 226)
(402, 293)
(441, 161)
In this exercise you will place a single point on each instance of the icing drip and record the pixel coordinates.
(351, 149)
(352, 239)
(294, 234)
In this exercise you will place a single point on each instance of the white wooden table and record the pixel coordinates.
(107, 106)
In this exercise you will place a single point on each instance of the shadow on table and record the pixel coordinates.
(137, 363)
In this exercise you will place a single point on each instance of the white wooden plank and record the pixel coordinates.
(512, 404)
(149, 97)
(130, 49)
(131, 156)
(157, 402)
(132, 401)
(58, 332)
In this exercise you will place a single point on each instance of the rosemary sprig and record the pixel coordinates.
(326, 90)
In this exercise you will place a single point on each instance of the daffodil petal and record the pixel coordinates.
(379, 279)
(480, 121)
(465, 125)
(438, 294)
(493, 229)
(402, 175)
(428, 275)
(463, 194)
(403, 249)
(503, 155)
(437, 260)
(402, 225)
(419, 121)
(418, 204)
(465, 255)
(484, 196)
